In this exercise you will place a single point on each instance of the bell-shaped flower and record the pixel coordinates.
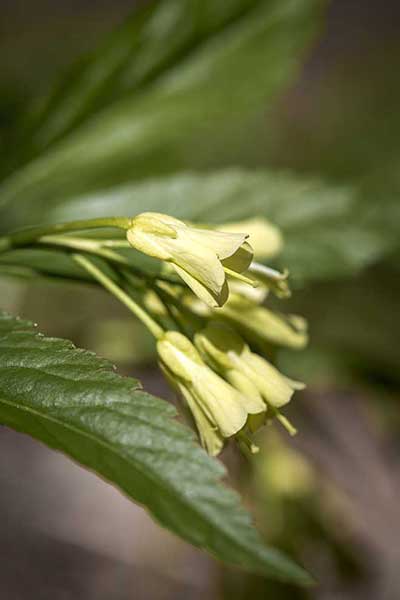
(262, 326)
(201, 257)
(219, 410)
(253, 375)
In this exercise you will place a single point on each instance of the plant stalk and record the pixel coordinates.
(122, 296)
(27, 236)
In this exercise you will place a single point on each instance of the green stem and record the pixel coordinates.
(104, 250)
(169, 310)
(27, 236)
(84, 244)
(116, 244)
(122, 296)
(131, 284)
(191, 317)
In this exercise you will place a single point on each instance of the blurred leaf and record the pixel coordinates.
(342, 120)
(44, 262)
(329, 230)
(155, 38)
(249, 51)
(51, 262)
(73, 401)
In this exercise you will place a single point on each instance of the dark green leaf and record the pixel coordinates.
(73, 401)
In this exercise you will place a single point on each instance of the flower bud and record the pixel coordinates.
(260, 325)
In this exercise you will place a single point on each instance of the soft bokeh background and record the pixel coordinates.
(330, 497)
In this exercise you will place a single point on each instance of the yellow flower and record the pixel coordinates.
(201, 257)
(219, 410)
(250, 373)
(260, 325)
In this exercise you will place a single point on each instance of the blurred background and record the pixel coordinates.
(215, 111)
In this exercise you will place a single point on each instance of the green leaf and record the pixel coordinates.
(237, 60)
(46, 262)
(330, 231)
(154, 39)
(73, 401)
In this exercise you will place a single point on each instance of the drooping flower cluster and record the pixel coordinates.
(219, 409)
(211, 357)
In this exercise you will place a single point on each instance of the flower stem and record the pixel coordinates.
(84, 244)
(104, 250)
(122, 296)
(25, 237)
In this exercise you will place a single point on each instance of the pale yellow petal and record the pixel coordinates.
(223, 244)
(198, 261)
(240, 260)
(216, 343)
(155, 219)
(252, 400)
(212, 299)
(178, 354)
(148, 244)
(210, 437)
(220, 401)
(271, 383)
